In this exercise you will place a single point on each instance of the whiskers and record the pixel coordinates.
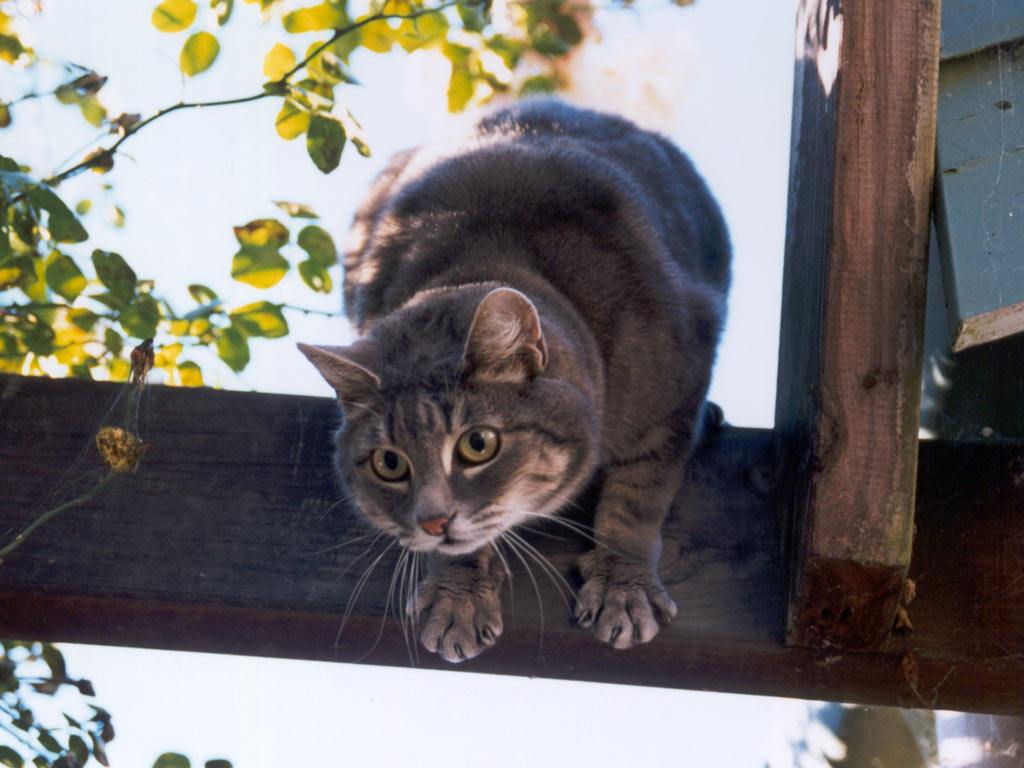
(580, 529)
(525, 552)
(401, 597)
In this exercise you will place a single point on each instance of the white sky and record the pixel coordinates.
(193, 175)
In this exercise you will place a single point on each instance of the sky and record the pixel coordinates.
(726, 65)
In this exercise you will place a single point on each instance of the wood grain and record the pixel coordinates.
(230, 539)
(853, 312)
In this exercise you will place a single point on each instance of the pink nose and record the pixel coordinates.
(434, 527)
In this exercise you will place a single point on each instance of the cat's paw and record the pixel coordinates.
(622, 599)
(458, 622)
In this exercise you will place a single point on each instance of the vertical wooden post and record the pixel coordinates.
(853, 310)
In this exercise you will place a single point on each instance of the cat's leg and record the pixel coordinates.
(457, 607)
(622, 597)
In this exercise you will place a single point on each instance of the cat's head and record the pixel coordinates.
(456, 429)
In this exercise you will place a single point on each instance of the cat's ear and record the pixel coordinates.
(352, 370)
(505, 341)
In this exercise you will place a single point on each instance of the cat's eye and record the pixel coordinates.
(389, 464)
(478, 445)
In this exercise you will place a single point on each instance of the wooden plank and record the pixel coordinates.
(853, 311)
(969, 26)
(230, 539)
(980, 155)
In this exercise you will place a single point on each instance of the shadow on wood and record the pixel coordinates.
(230, 539)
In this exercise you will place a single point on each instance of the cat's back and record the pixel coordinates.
(600, 209)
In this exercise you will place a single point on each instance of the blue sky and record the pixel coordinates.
(188, 178)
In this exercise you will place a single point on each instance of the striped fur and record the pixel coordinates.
(555, 276)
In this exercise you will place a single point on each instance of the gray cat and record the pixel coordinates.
(539, 300)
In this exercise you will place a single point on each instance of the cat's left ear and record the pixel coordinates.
(352, 371)
(505, 342)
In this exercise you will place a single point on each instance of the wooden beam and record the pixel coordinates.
(853, 311)
(230, 539)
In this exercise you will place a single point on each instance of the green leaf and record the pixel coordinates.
(261, 319)
(549, 44)
(10, 758)
(296, 210)
(218, 764)
(292, 121)
(223, 9)
(49, 743)
(327, 67)
(79, 749)
(83, 318)
(460, 89)
(233, 349)
(201, 293)
(93, 112)
(114, 272)
(324, 141)
(63, 226)
(260, 232)
(54, 659)
(258, 262)
(113, 342)
(140, 318)
(473, 16)
(174, 15)
(315, 276)
(319, 245)
(83, 207)
(198, 53)
(278, 62)
(260, 267)
(64, 277)
(537, 84)
(11, 48)
(316, 18)
(568, 29)
(354, 132)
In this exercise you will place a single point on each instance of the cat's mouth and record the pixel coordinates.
(445, 544)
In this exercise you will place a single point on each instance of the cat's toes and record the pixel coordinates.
(623, 601)
(458, 624)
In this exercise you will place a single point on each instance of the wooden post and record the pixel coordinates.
(853, 311)
(231, 538)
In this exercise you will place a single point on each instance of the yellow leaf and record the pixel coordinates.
(198, 53)
(291, 121)
(278, 62)
(191, 375)
(319, 17)
(174, 15)
(378, 36)
(167, 355)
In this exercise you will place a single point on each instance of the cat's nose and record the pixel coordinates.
(434, 526)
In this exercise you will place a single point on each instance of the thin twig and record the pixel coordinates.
(20, 538)
(272, 88)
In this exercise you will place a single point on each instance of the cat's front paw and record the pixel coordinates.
(458, 622)
(622, 599)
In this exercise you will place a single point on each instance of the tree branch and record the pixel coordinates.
(272, 88)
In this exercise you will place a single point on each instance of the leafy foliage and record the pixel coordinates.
(30, 672)
(70, 307)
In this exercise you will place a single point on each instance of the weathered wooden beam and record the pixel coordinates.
(853, 311)
(230, 539)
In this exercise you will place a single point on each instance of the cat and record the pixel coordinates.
(540, 300)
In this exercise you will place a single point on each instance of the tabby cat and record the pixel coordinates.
(539, 300)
